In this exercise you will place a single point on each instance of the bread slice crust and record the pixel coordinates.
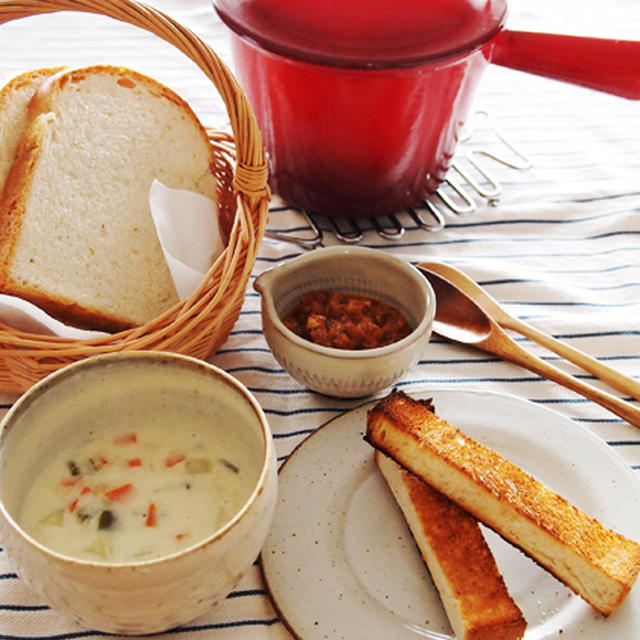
(597, 563)
(458, 557)
(15, 97)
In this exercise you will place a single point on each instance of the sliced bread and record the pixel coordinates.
(459, 559)
(14, 102)
(76, 233)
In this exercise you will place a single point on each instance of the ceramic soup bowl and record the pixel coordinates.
(135, 489)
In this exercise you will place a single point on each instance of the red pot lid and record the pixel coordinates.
(370, 34)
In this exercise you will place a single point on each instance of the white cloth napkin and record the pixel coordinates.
(188, 231)
(187, 228)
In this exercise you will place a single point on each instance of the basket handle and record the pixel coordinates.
(251, 172)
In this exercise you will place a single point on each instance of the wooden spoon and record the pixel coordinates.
(492, 308)
(460, 319)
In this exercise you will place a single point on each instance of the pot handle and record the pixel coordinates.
(612, 66)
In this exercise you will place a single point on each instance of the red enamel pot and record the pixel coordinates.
(361, 103)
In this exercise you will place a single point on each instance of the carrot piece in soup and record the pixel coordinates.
(119, 493)
(174, 459)
(69, 482)
(152, 515)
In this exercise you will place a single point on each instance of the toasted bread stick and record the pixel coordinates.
(459, 560)
(598, 564)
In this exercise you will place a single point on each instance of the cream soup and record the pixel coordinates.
(134, 494)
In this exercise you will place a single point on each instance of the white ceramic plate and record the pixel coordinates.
(339, 561)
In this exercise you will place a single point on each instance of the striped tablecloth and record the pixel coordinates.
(560, 248)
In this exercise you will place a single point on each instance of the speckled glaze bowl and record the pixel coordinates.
(154, 595)
(359, 270)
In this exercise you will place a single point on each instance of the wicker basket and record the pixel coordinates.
(199, 325)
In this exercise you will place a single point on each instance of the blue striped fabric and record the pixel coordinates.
(561, 249)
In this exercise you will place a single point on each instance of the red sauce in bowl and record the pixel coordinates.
(346, 320)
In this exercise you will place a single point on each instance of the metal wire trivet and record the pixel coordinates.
(468, 179)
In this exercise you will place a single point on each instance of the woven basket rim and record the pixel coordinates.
(199, 324)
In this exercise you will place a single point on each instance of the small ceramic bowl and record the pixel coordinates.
(357, 270)
(132, 389)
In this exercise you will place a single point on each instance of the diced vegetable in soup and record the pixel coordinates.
(135, 494)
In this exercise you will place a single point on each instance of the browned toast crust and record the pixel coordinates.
(597, 563)
(459, 560)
